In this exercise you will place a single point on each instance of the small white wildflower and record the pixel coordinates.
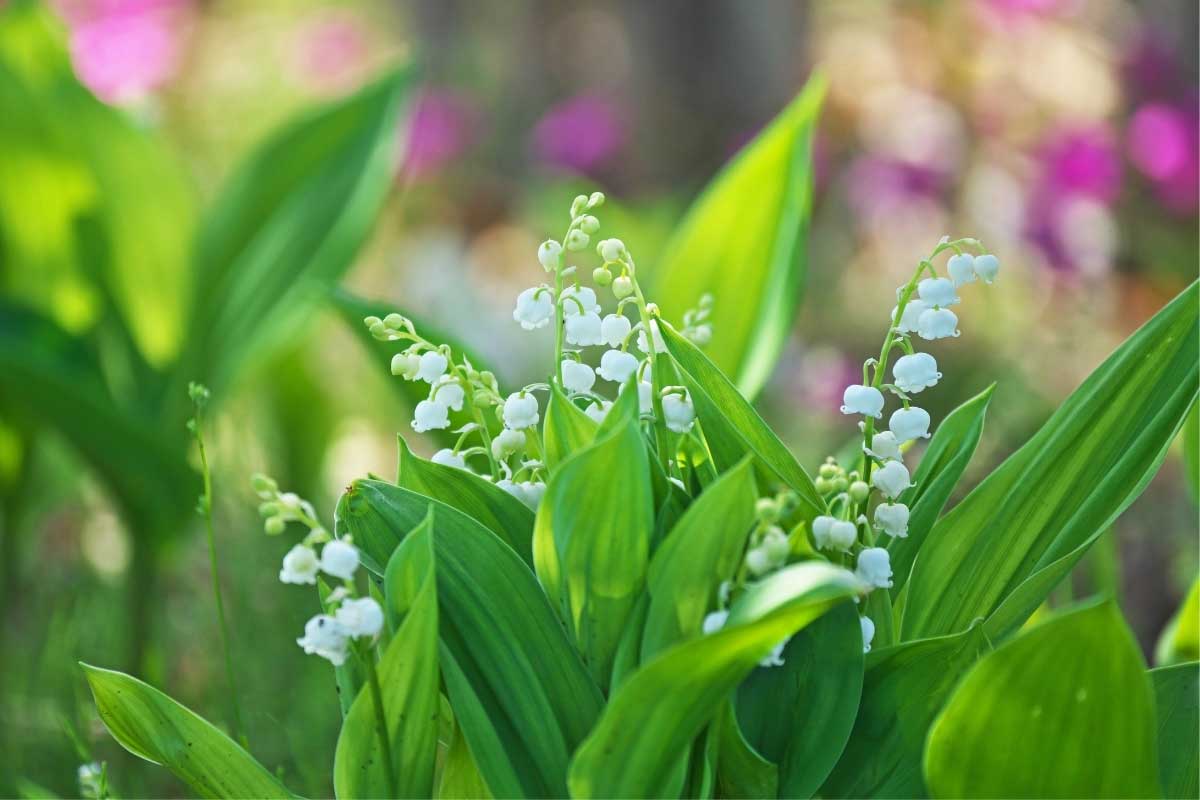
(584, 329)
(913, 373)
(530, 493)
(577, 377)
(360, 617)
(659, 345)
(548, 254)
(842, 535)
(90, 777)
(611, 249)
(937, 292)
(573, 297)
(598, 411)
(700, 335)
(937, 323)
(775, 657)
(961, 268)
(507, 442)
(909, 423)
(339, 559)
(714, 621)
(520, 411)
(892, 518)
(449, 392)
(866, 400)
(874, 567)
(758, 561)
(678, 412)
(535, 308)
(912, 313)
(821, 527)
(617, 366)
(448, 458)
(430, 415)
(406, 365)
(614, 328)
(775, 542)
(987, 266)
(868, 632)
(507, 485)
(884, 447)
(433, 366)
(323, 636)
(891, 479)
(645, 390)
(577, 240)
(300, 565)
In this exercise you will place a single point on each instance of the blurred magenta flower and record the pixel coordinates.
(878, 186)
(1082, 160)
(1163, 145)
(124, 49)
(443, 128)
(331, 53)
(581, 134)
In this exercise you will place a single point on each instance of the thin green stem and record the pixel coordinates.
(381, 727)
(665, 454)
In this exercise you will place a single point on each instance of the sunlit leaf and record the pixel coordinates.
(1180, 638)
(568, 430)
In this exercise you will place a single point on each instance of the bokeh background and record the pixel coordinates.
(1063, 133)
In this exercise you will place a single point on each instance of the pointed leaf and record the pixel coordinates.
(1177, 698)
(568, 430)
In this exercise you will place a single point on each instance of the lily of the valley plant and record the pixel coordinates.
(619, 583)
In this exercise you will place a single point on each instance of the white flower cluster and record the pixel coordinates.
(327, 635)
(928, 316)
(93, 780)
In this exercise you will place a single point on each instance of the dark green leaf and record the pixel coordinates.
(1177, 698)
(743, 773)
(1191, 451)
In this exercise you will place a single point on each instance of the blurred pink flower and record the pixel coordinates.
(1163, 145)
(581, 134)
(124, 49)
(877, 186)
(1082, 160)
(443, 128)
(823, 376)
(331, 53)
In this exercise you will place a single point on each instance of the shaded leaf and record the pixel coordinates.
(1177, 699)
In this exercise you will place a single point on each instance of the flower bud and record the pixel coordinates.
(775, 543)
(394, 321)
(828, 470)
(840, 484)
(548, 254)
(589, 225)
(379, 331)
(611, 249)
(263, 485)
(268, 510)
(577, 240)
(823, 485)
(578, 205)
(406, 365)
(371, 322)
(859, 491)
(622, 287)
(274, 525)
(602, 276)
(767, 509)
(758, 562)
(596, 200)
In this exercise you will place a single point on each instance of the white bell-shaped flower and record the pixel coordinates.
(659, 345)
(521, 411)
(611, 249)
(937, 292)
(448, 458)
(430, 415)
(507, 442)
(535, 308)
(300, 565)
(449, 392)
(714, 621)
(915, 372)
(937, 323)
(892, 519)
(530, 493)
(842, 535)
(579, 300)
(885, 447)
(909, 423)
(548, 254)
(987, 266)
(584, 329)
(507, 485)
(339, 559)
(598, 411)
(758, 561)
(678, 412)
(406, 365)
(961, 268)
(614, 328)
(891, 479)
(323, 636)
(775, 542)
(868, 632)
(821, 527)
(775, 657)
(617, 366)
(577, 377)
(645, 390)
(912, 313)
(433, 366)
(360, 616)
(866, 400)
(874, 567)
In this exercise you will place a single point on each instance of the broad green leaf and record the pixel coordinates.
(498, 511)
(745, 242)
(520, 693)
(904, 688)
(1063, 710)
(941, 467)
(1001, 550)
(591, 542)
(799, 715)
(649, 723)
(1177, 698)
(290, 222)
(152, 726)
(704, 548)
(1180, 638)
(568, 430)
(743, 773)
(460, 778)
(731, 425)
(408, 680)
(1191, 451)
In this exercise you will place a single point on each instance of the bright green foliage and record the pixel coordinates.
(1177, 699)
(650, 721)
(568, 430)
(591, 542)
(1001, 550)
(1180, 639)
(152, 726)
(733, 428)
(408, 677)
(1191, 451)
(1063, 710)
(745, 242)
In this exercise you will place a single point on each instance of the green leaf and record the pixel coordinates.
(799, 715)
(1191, 451)
(1180, 638)
(520, 693)
(904, 688)
(649, 724)
(743, 774)
(1001, 550)
(1063, 710)
(941, 467)
(498, 511)
(1177, 698)
(704, 548)
(408, 680)
(732, 427)
(591, 542)
(289, 223)
(152, 726)
(568, 429)
(745, 242)
(460, 778)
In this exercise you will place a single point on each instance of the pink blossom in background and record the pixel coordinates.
(582, 134)
(877, 186)
(124, 49)
(443, 128)
(1151, 65)
(331, 53)
(1082, 160)
(1164, 146)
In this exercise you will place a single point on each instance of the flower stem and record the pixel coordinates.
(665, 453)
(381, 727)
